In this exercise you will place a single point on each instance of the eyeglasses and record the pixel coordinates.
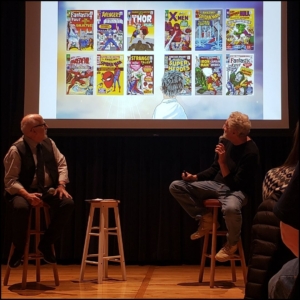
(40, 125)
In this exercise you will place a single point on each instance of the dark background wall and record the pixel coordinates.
(134, 166)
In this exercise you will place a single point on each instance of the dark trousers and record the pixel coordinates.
(60, 211)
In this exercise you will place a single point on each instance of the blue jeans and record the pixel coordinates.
(188, 194)
(281, 284)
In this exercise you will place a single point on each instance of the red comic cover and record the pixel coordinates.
(79, 74)
(140, 74)
(80, 30)
(110, 74)
(140, 30)
(183, 64)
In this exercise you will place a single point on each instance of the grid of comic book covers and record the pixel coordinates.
(193, 44)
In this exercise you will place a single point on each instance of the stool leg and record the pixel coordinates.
(243, 262)
(203, 257)
(37, 229)
(101, 243)
(213, 247)
(105, 241)
(26, 253)
(120, 242)
(233, 272)
(47, 220)
(87, 242)
(7, 273)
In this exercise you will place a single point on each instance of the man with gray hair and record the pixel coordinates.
(172, 85)
(230, 179)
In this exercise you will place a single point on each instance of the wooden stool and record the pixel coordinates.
(36, 255)
(215, 205)
(102, 232)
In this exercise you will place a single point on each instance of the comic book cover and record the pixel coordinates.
(80, 30)
(79, 74)
(208, 29)
(140, 75)
(178, 30)
(110, 74)
(140, 30)
(110, 30)
(239, 74)
(183, 64)
(240, 29)
(208, 74)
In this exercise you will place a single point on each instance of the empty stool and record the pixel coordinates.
(103, 231)
(36, 255)
(215, 205)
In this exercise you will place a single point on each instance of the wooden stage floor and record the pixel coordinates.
(143, 282)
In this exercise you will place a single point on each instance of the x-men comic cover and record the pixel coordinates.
(79, 74)
(178, 30)
(110, 74)
(80, 30)
(140, 75)
(208, 29)
(140, 30)
(240, 28)
(110, 30)
(183, 64)
(208, 74)
(240, 74)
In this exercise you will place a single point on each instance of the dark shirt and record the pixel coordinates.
(243, 163)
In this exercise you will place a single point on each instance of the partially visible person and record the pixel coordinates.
(285, 283)
(172, 84)
(231, 178)
(24, 188)
(267, 251)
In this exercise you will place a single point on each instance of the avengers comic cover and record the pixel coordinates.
(178, 30)
(240, 74)
(140, 30)
(240, 29)
(79, 74)
(208, 74)
(183, 64)
(140, 75)
(208, 29)
(110, 30)
(80, 30)
(110, 74)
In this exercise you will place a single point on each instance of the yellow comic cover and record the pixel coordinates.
(178, 30)
(110, 74)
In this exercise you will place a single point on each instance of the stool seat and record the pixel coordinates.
(215, 204)
(103, 231)
(36, 255)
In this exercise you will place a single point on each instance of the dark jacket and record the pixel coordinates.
(267, 253)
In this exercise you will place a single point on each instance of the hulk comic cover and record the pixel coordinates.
(178, 30)
(240, 29)
(240, 74)
(208, 74)
(80, 30)
(110, 30)
(183, 64)
(110, 74)
(208, 29)
(140, 75)
(140, 30)
(79, 74)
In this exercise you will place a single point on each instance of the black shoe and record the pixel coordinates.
(16, 258)
(46, 250)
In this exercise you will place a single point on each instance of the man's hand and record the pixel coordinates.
(188, 177)
(61, 191)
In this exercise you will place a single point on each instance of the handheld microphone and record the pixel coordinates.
(221, 139)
